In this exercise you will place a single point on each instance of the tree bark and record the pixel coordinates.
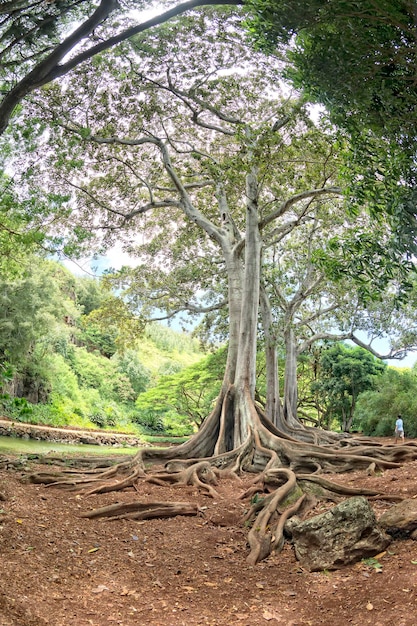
(273, 405)
(290, 383)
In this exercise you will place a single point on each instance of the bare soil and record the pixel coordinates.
(58, 568)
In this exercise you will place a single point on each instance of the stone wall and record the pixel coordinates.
(63, 435)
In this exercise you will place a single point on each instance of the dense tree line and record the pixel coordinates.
(56, 356)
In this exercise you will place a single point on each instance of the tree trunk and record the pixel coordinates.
(246, 358)
(290, 381)
(273, 405)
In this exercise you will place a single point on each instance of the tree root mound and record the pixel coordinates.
(238, 439)
(276, 494)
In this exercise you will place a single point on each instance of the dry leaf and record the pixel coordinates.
(380, 555)
(211, 584)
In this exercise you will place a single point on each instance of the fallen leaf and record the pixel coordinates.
(189, 589)
(380, 555)
(19, 521)
(92, 550)
(211, 584)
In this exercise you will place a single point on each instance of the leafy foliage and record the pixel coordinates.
(344, 373)
(358, 60)
(353, 57)
(395, 393)
(185, 398)
(59, 366)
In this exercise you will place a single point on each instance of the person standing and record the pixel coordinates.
(399, 429)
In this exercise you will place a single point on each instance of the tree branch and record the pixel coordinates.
(287, 204)
(50, 68)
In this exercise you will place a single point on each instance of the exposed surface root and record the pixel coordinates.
(201, 475)
(143, 510)
(238, 439)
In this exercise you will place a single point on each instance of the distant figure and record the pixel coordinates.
(399, 429)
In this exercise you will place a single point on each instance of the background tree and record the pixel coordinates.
(191, 393)
(344, 374)
(31, 321)
(394, 393)
(328, 291)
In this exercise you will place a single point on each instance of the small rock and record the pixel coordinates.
(402, 516)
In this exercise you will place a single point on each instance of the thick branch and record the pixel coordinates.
(392, 354)
(287, 204)
(50, 68)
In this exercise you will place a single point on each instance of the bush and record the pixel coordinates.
(105, 415)
(149, 420)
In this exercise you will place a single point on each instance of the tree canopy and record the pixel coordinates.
(358, 59)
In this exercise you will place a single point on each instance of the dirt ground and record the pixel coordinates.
(57, 568)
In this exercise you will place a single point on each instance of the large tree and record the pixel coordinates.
(217, 154)
(344, 373)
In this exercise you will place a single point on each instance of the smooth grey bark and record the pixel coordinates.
(273, 404)
(290, 379)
